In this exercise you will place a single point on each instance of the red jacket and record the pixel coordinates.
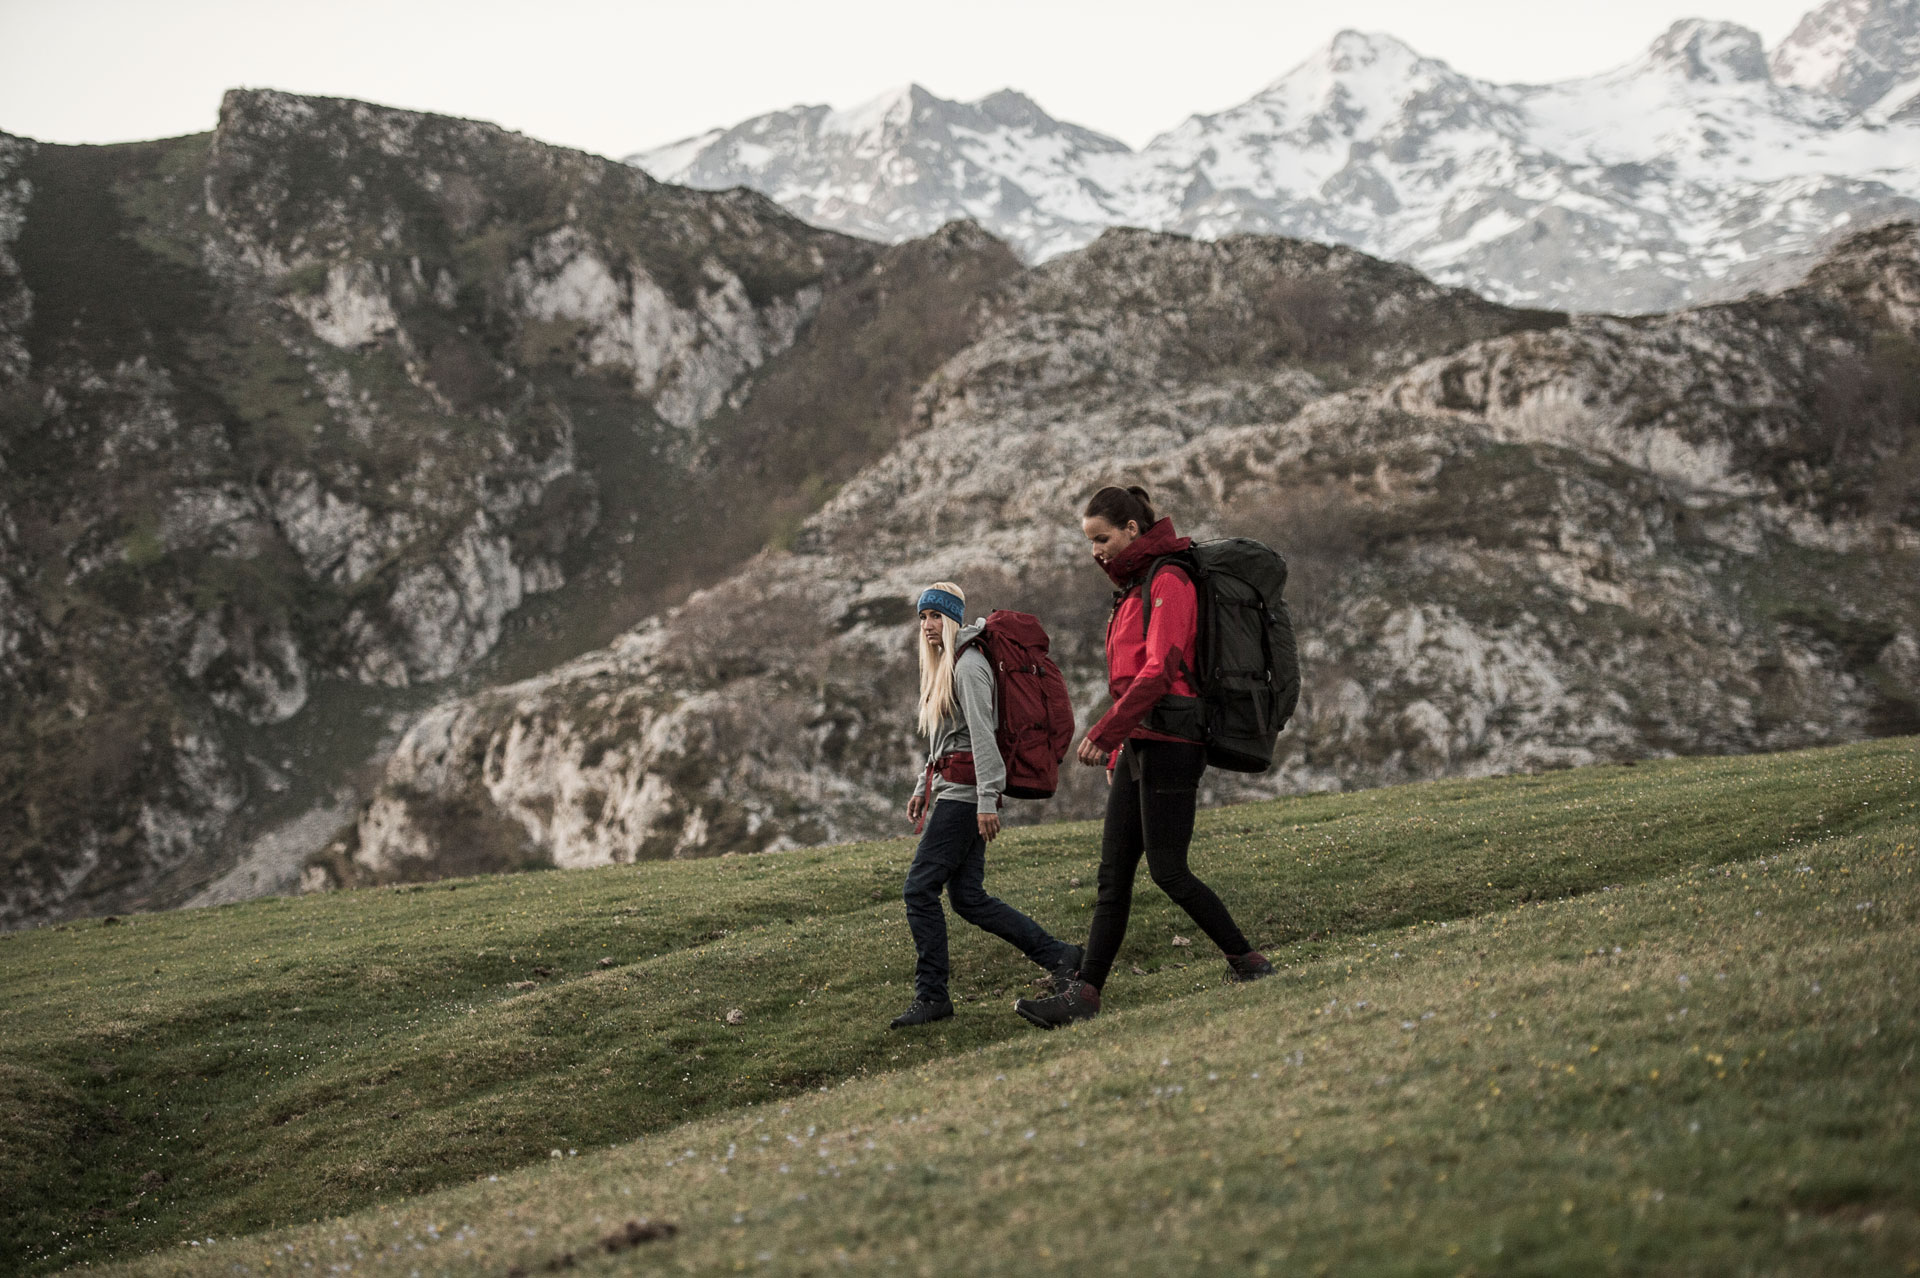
(1141, 669)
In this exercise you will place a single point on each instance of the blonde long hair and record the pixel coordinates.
(936, 669)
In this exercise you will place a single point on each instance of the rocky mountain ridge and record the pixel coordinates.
(1520, 540)
(1705, 167)
(1864, 52)
(300, 419)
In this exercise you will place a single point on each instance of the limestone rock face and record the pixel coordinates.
(297, 416)
(16, 303)
(1519, 540)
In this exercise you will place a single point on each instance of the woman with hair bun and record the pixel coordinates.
(1150, 743)
(957, 809)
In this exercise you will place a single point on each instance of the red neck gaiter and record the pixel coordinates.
(1125, 568)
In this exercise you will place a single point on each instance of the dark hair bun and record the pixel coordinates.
(1121, 506)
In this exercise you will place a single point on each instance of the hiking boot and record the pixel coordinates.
(923, 1012)
(1250, 966)
(1078, 1002)
(1061, 975)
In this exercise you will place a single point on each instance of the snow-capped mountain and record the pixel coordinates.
(1699, 168)
(908, 162)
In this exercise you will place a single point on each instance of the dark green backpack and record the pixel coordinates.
(1249, 675)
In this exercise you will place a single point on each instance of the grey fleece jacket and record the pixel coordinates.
(973, 704)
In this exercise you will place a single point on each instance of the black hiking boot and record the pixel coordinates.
(922, 1012)
(1061, 974)
(1251, 966)
(1078, 1002)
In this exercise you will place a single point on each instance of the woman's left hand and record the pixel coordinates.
(1090, 754)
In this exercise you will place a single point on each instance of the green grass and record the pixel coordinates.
(1568, 1106)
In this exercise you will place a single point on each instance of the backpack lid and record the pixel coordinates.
(1006, 626)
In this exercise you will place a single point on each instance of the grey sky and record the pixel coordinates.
(614, 78)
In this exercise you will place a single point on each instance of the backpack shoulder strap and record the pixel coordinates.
(1177, 560)
(980, 645)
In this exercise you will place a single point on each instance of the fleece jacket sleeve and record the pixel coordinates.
(973, 687)
(1170, 631)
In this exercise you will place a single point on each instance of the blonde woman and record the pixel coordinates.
(956, 809)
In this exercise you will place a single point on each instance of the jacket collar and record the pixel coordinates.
(1126, 567)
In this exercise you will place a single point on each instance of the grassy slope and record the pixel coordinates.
(215, 1073)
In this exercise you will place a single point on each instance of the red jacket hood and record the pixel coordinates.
(1127, 566)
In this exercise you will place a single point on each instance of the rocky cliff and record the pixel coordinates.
(1520, 540)
(299, 420)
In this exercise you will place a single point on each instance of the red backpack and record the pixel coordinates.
(1036, 718)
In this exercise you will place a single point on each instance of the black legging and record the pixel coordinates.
(1150, 812)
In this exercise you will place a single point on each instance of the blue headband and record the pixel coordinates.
(943, 603)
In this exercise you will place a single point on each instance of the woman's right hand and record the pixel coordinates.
(1090, 754)
(916, 805)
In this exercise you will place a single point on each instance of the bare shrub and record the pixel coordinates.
(1867, 431)
(1072, 601)
(462, 370)
(749, 625)
(1320, 529)
(1289, 319)
(1310, 320)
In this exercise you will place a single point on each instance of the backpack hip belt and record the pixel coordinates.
(957, 768)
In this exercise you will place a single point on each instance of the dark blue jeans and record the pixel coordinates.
(952, 855)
